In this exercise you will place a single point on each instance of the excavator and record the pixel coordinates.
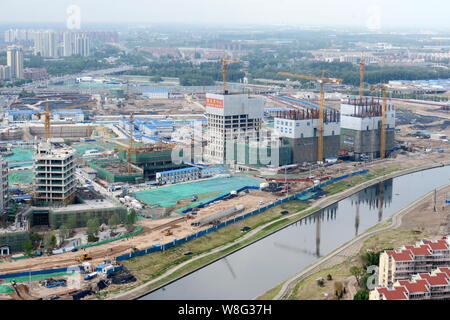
(84, 257)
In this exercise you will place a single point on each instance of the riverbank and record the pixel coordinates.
(408, 225)
(182, 265)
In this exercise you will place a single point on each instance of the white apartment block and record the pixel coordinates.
(309, 128)
(54, 170)
(231, 117)
(14, 58)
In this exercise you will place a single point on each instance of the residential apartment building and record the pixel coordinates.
(54, 171)
(402, 264)
(14, 58)
(423, 286)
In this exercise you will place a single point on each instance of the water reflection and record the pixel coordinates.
(263, 265)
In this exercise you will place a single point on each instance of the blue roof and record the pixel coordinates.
(181, 170)
(151, 138)
(149, 125)
(156, 91)
(162, 123)
(23, 111)
(277, 109)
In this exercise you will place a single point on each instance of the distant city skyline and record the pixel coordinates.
(375, 15)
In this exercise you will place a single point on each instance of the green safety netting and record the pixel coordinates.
(5, 289)
(20, 177)
(20, 155)
(168, 196)
(41, 276)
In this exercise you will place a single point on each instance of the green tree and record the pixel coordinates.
(28, 247)
(114, 220)
(64, 232)
(358, 273)
(362, 295)
(50, 241)
(93, 225)
(132, 217)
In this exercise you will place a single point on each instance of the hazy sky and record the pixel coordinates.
(358, 13)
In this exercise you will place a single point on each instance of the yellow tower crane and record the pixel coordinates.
(225, 63)
(384, 89)
(322, 81)
(47, 115)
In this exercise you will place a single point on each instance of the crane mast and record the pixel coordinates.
(47, 114)
(225, 63)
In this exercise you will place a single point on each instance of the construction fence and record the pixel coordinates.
(156, 248)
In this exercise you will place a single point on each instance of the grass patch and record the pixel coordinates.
(308, 289)
(149, 267)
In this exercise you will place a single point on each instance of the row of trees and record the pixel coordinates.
(68, 228)
(189, 74)
(368, 259)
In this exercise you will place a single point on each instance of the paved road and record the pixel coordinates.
(143, 289)
(350, 249)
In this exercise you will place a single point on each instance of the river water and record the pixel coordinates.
(263, 265)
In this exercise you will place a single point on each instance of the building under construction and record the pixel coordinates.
(361, 128)
(152, 159)
(117, 170)
(300, 130)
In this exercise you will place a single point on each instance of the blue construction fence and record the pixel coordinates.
(38, 272)
(177, 242)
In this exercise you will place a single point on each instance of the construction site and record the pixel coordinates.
(77, 171)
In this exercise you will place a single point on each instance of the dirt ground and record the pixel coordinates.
(251, 201)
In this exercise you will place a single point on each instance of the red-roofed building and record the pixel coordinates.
(409, 260)
(423, 286)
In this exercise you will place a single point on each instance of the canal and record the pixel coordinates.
(263, 265)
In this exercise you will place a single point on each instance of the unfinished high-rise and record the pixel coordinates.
(54, 170)
(361, 125)
(300, 130)
(3, 184)
(231, 118)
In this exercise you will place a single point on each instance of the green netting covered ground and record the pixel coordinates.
(82, 147)
(20, 177)
(40, 276)
(168, 196)
(20, 155)
(5, 289)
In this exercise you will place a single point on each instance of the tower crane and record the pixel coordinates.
(47, 114)
(225, 63)
(322, 80)
(384, 89)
